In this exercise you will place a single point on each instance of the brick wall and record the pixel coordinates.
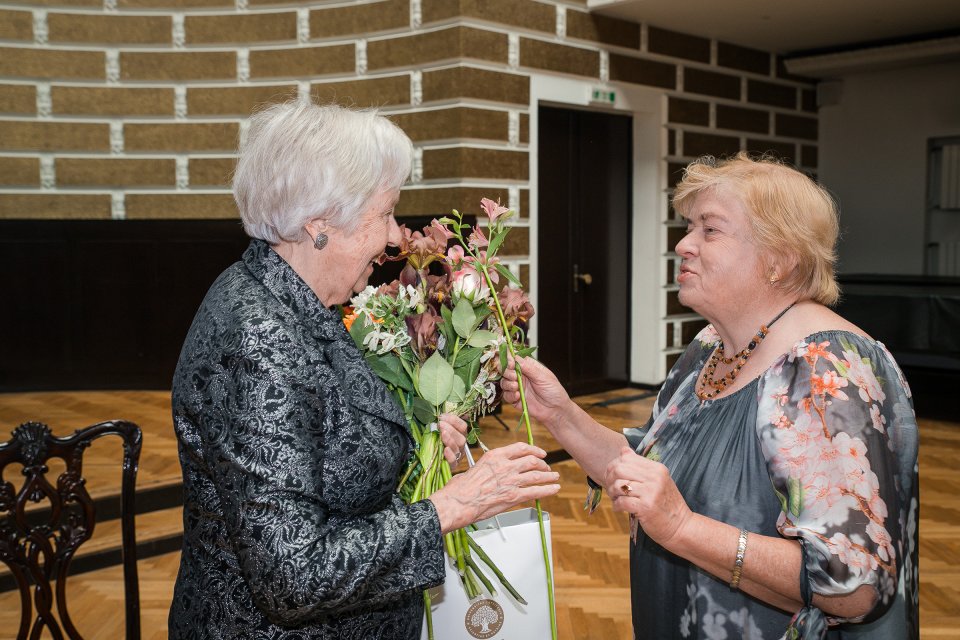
(132, 108)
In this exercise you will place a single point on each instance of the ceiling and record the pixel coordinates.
(792, 26)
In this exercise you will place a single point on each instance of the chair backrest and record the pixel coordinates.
(38, 544)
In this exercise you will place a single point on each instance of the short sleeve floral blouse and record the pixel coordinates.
(821, 448)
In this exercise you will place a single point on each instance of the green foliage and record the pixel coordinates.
(464, 318)
(446, 327)
(390, 369)
(506, 273)
(469, 372)
(458, 391)
(467, 355)
(496, 241)
(436, 379)
(481, 338)
(423, 411)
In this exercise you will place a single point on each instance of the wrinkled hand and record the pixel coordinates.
(546, 397)
(502, 478)
(644, 489)
(453, 433)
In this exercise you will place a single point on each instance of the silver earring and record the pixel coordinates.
(320, 241)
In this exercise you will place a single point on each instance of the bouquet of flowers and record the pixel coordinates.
(439, 337)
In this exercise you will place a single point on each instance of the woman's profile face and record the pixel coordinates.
(355, 252)
(720, 270)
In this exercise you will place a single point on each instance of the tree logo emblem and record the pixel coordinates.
(484, 619)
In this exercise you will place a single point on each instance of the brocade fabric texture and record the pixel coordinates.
(821, 448)
(291, 448)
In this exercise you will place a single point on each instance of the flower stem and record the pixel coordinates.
(526, 423)
(496, 571)
(429, 613)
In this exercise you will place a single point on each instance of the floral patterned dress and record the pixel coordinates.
(822, 448)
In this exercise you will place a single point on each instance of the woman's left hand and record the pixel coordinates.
(644, 489)
(453, 433)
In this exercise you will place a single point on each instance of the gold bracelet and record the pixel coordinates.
(738, 563)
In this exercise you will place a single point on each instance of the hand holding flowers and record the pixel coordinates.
(440, 337)
(453, 433)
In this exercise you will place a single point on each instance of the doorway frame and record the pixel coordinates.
(649, 202)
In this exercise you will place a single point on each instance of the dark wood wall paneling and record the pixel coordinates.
(104, 304)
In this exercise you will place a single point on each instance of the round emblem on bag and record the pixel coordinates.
(484, 619)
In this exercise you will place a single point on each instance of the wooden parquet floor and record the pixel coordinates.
(590, 552)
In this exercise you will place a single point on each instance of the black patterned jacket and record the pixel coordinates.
(290, 448)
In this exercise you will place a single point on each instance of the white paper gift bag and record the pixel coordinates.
(515, 549)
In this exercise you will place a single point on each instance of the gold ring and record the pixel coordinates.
(626, 488)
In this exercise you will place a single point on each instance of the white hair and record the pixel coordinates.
(302, 161)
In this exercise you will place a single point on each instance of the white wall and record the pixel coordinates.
(649, 204)
(873, 158)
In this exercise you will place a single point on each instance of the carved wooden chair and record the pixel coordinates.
(37, 544)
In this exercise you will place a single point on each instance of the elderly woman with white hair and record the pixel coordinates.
(773, 492)
(290, 445)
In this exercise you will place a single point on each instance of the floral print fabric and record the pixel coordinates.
(844, 479)
(821, 448)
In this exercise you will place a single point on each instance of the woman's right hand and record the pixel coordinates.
(546, 398)
(501, 479)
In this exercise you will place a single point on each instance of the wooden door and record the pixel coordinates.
(584, 193)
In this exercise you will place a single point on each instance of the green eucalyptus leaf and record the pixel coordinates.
(469, 372)
(506, 273)
(457, 391)
(424, 412)
(482, 314)
(389, 368)
(503, 356)
(467, 355)
(523, 352)
(481, 338)
(446, 327)
(464, 318)
(436, 379)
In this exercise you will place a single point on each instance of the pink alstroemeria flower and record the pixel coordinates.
(489, 261)
(492, 209)
(455, 254)
(477, 240)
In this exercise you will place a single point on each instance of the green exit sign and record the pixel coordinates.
(606, 96)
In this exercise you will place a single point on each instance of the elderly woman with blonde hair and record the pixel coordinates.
(773, 492)
(290, 445)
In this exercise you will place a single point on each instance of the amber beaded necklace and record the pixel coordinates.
(708, 387)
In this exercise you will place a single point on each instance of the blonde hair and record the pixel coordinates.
(302, 161)
(790, 216)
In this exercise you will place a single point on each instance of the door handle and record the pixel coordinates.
(578, 277)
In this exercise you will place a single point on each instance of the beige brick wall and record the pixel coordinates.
(133, 108)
